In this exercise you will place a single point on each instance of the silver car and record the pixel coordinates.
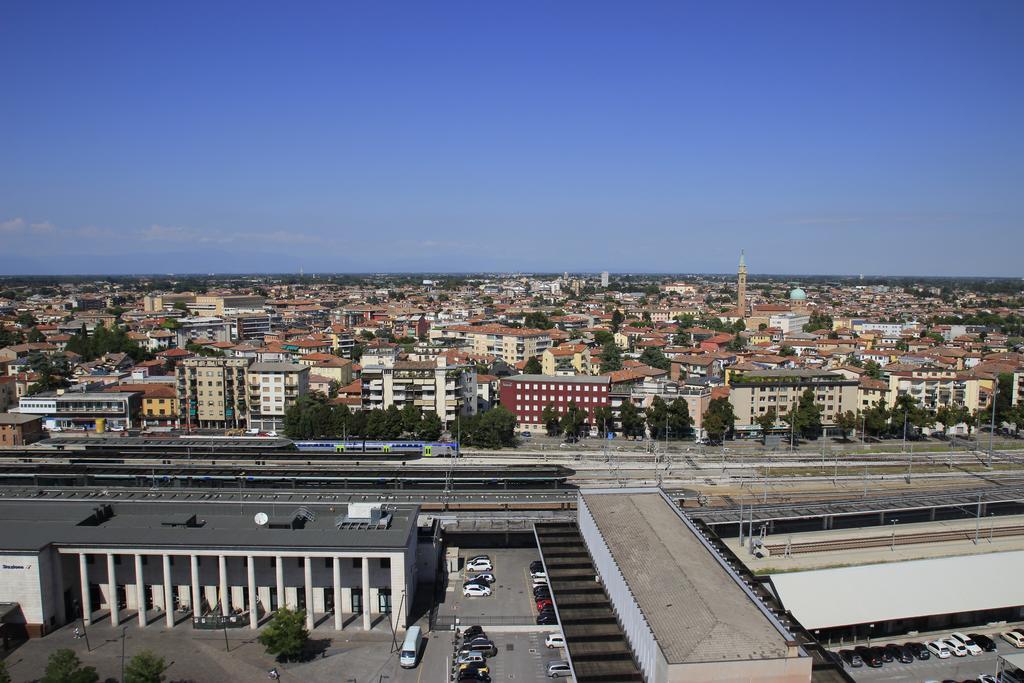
(559, 670)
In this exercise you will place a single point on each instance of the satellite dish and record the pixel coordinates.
(261, 518)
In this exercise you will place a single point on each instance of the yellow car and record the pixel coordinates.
(482, 668)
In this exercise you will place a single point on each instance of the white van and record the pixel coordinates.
(411, 647)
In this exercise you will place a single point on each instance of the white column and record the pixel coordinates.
(115, 616)
(337, 593)
(197, 598)
(366, 594)
(308, 568)
(279, 575)
(399, 600)
(140, 590)
(168, 598)
(251, 570)
(225, 596)
(83, 571)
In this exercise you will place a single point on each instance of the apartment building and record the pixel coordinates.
(209, 305)
(433, 386)
(934, 387)
(566, 359)
(697, 395)
(273, 388)
(202, 329)
(789, 322)
(250, 326)
(20, 430)
(753, 393)
(527, 396)
(212, 392)
(510, 344)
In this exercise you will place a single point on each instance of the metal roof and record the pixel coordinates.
(874, 593)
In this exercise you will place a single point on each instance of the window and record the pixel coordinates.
(357, 563)
(385, 563)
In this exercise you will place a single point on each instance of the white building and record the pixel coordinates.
(273, 388)
(431, 385)
(202, 329)
(789, 322)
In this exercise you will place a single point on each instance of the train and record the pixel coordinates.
(426, 449)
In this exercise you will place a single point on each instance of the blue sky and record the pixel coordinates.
(823, 137)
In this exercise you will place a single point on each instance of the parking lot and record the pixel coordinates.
(511, 601)
(953, 668)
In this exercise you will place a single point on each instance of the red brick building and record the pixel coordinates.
(527, 396)
(17, 429)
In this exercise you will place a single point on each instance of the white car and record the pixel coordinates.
(939, 649)
(559, 670)
(972, 647)
(555, 640)
(473, 590)
(540, 581)
(1013, 638)
(539, 575)
(956, 647)
(479, 565)
(987, 678)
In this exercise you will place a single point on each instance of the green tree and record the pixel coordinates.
(808, 415)
(719, 419)
(767, 421)
(876, 418)
(611, 357)
(602, 337)
(35, 337)
(657, 418)
(873, 370)
(26, 320)
(430, 427)
(52, 372)
(285, 635)
(655, 358)
(604, 418)
(787, 350)
(495, 428)
(680, 424)
(573, 422)
(538, 321)
(65, 667)
(410, 418)
(393, 423)
(549, 416)
(532, 366)
(145, 667)
(617, 319)
(846, 422)
(630, 420)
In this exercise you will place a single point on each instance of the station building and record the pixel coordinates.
(685, 612)
(160, 561)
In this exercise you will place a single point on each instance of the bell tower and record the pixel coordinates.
(741, 286)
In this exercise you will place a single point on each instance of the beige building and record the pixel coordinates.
(934, 387)
(273, 389)
(433, 386)
(1018, 387)
(510, 344)
(753, 393)
(566, 359)
(208, 305)
(212, 392)
(328, 365)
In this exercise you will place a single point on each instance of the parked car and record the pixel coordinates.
(983, 641)
(869, 656)
(555, 640)
(970, 645)
(987, 678)
(464, 657)
(900, 653)
(547, 619)
(474, 676)
(474, 666)
(540, 581)
(956, 647)
(559, 670)
(542, 603)
(473, 590)
(939, 649)
(482, 646)
(919, 651)
(851, 659)
(479, 564)
(486, 576)
(539, 575)
(536, 566)
(541, 591)
(1013, 638)
(472, 632)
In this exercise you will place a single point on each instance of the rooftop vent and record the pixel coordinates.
(364, 516)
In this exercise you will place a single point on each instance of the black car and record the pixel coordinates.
(982, 641)
(536, 566)
(919, 651)
(542, 592)
(472, 632)
(851, 658)
(474, 675)
(869, 656)
(547, 619)
(884, 653)
(906, 656)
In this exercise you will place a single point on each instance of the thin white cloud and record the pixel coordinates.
(12, 226)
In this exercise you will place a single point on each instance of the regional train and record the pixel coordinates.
(426, 449)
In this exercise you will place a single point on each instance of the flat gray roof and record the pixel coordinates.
(31, 526)
(692, 602)
(281, 366)
(562, 379)
(17, 418)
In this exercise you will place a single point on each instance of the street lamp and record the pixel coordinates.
(892, 547)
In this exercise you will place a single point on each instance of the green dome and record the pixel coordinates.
(798, 295)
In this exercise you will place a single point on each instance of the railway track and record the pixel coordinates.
(890, 540)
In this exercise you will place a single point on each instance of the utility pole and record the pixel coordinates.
(977, 521)
(992, 429)
(892, 546)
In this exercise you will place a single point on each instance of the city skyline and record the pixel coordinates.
(875, 140)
